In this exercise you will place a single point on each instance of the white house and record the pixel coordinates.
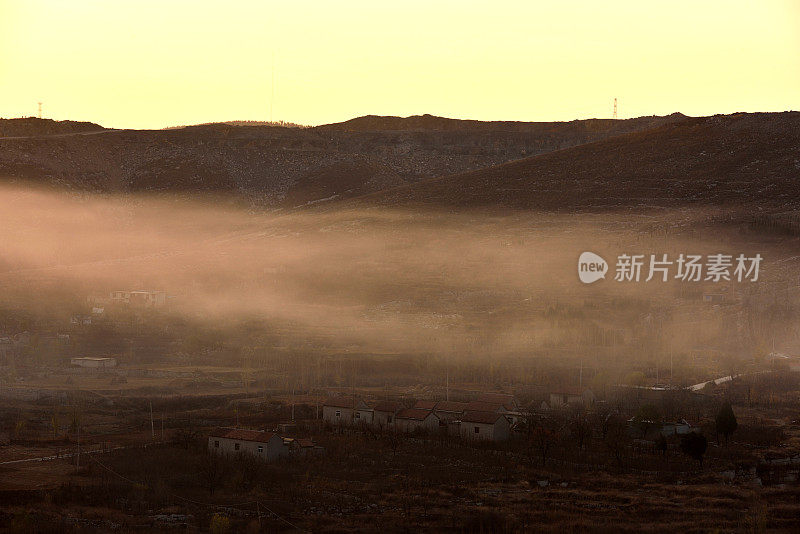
(383, 413)
(414, 419)
(94, 363)
(490, 426)
(346, 411)
(448, 411)
(266, 445)
(497, 403)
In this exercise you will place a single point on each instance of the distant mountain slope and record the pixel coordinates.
(375, 123)
(742, 159)
(32, 126)
(289, 167)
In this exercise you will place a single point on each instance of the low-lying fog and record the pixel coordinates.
(370, 280)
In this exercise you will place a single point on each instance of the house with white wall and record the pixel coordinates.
(415, 419)
(384, 413)
(268, 446)
(450, 410)
(346, 411)
(489, 426)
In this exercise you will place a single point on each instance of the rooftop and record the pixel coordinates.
(388, 406)
(414, 413)
(506, 399)
(488, 418)
(451, 406)
(477, 406)
(242, 434)
(342, 402)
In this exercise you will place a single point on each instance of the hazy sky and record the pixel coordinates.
(149, 64)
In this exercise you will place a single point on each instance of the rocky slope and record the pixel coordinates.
(291, 167)
(749, 160)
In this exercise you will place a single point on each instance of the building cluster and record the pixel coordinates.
(143, 299)
(269, 446)
(93, 363)
(570, 397)
(490, 416)
(12, 346)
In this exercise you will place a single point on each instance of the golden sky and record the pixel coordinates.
(150, 64)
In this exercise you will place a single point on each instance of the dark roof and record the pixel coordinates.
(414, 413)
(342, 402)
(425, 405)
(303, 443)
(451, 406)
(488, 418)
(388, 406)
(505, 399)
(477, 406)
(242, 434)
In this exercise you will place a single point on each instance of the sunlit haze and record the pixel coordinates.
(152, 64)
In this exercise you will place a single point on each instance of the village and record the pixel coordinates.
(124, 404)
(232, 447)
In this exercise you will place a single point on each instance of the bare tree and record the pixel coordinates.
(581, 427)
(543, 438)
(616, 438)
(211, 471)
(187, 435)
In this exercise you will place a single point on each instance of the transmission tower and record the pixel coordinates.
(272, 96)
(615, 108)
(40, 110)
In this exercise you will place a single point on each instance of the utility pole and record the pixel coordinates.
(78, 456)
(615, 108)
(40, 110)
(670, 368)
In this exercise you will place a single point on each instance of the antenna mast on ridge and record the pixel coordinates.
(272, 95)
